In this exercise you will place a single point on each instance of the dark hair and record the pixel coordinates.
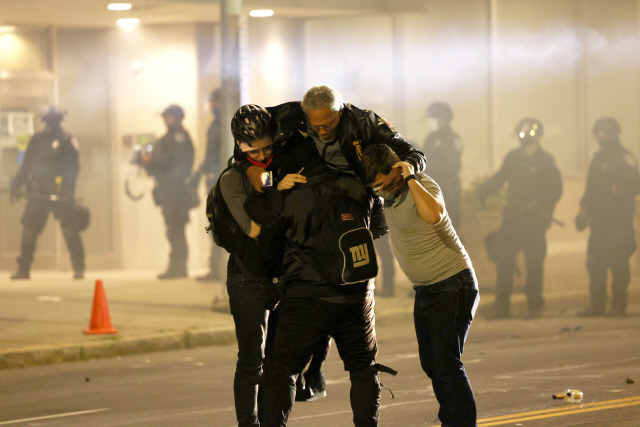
(377, 158)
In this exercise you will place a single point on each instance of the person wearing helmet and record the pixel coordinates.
(608, 209)
(170, 163)
(247, 283)
(534, 188)
(443, 148)
(210, 168)
(49, 171)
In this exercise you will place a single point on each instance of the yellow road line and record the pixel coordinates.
(560, 409)
(559, 414)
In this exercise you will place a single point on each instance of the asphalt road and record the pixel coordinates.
(514, 366)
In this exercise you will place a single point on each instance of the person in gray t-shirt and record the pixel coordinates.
(430, 253)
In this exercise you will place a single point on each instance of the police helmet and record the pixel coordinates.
(52, 113)
(250, 123)
(528, 128)
(441, 110)
(608, 125)
(174, 110)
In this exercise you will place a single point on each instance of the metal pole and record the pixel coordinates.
(231, 11)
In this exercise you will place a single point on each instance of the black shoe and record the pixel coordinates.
(311, 387)
(590, 312)
(20, 275)
(533, 314)
(616, 312)
(209, 277)
(77, 275)
(172, 274)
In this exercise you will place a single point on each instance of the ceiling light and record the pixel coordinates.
(127, 22)
(7, 29)
(261, 13)
(119, 6)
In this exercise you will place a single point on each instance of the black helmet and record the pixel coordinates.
(528, 128)
(608, 125)
(440, 110)
(174, 110)
(251, 123)
(52, 113)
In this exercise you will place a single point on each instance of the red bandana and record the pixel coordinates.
(259, 164)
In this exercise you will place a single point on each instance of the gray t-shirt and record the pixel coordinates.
(333, 155)
(426, 253)
(235, 188)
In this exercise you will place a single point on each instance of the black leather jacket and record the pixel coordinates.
(357, 130)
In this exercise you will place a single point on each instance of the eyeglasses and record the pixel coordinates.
(258, 151)
(329, 126)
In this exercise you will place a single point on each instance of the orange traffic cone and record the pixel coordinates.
(100, 320)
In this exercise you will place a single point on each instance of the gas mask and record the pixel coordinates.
(528, 134)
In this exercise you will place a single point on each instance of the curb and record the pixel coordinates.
(47, 355)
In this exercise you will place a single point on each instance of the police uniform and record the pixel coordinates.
(49, 170)
(211, 169)
(609, 201)
(170, 164)
(443, 148)
(534, 188)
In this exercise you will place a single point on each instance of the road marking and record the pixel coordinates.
(567, 367)
(349, 411)
(558, 412)
(48, 417)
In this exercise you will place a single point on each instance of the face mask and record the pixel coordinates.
(434, 125)
(387, 195)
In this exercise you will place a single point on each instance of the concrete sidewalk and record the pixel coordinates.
(41, 320)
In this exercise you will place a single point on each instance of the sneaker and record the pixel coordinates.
(590, 312)
(20, 275)
(170, 274)
(533, 314)
(312, 387)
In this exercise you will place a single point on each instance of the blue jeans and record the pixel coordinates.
(442, 315)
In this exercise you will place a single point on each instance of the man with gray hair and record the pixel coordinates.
(341, 132)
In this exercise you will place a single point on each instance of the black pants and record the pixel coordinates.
(34, 219)
(533, 243)
(303, 328)
(176, 219)
(609, 251)
(247, 299)
(442, 315)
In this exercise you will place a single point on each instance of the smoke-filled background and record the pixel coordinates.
(566, 63)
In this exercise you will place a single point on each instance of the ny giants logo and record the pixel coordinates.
(360, 255)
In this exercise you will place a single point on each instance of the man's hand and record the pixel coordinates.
(405, 167)
(254, 173)
(290, 180)
(394, 180)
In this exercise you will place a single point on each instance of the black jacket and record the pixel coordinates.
(534, 187)
(171, 163)
(50, 154)
(356, 131)
(612, 185)
(281, 240)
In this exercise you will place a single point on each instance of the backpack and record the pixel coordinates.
(343, 250)
(223, 227)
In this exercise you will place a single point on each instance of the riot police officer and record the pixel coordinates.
(210, 168)
(608, 208)
(443, 148)
(534, 188)
(49, 171)
(170, 163)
